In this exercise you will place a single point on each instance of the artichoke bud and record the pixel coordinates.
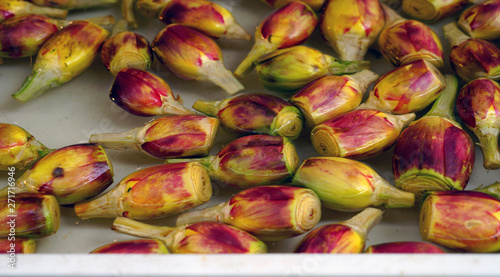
(10, 8)
(251, 161)
(18, 246)
(472, 58)
(285, 27)
(65, 55)
(145, 94)
(481, 20)
(18, 148)
(166, 137)
(136, 246)
(73, 4)
(358, 134)
(125, 49)
(267, 212)
(23, 35)
(331, 96)
(348, 185)
(403, 41)
(350, 27)
(152, 192)
(191, 55)
(205, 16)
(461, 220)
(406, 89)
(314, 4)
(432, 10)
(255, 113)
(434, 152)
(72, 174)
(347, 236)
(289, 69)
(404, 247)
(197, 238)
(478, 105)
(35, 216)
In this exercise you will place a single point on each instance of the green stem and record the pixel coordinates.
(119, 141)
(493, 189)
(340, 67)
(215, 213)
(210, 108)
(454, 35)
(38, 82)
(365, 220)
(135, 228)
(445, 103)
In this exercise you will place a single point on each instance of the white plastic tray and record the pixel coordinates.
(71, 113)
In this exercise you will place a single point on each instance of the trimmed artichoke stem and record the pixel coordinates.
(118, 141)
(81, 4)
(352, 47)
(120, 26)
(235, 31)
(260, 48)
(445, 103)
(489, 146)
(135, 228)
(421, 9)
(364, 78)
(493, 190)
(454, 35)
(392, 197)
(127, 11)
(105, 206)
(365, 220)
(287, 124)
(218, 74)
(391, 16)
(50, 12)
(215, 213)
(210, 108)
(38, 82)
(337, 67)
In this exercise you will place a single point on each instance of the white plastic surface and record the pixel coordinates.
(71, 113)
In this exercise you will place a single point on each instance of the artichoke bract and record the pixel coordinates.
(406, 89)
(166, 137)
(10, 8)
(34, 216)
(461, 220)
(432, 10)
(191, 55)
(289, 69)
(197, 238)
(358, 134)
(72, 174)
(73, 4)
(125, 49)
(255, 113)
(404, 40)
(23, 35)
(331, 96)
(287, 26)
(472, 58)
(65, 55)
(143, 93)
(481, 20)
(344, 184)
(19, 148)
(351, 26)
(18, 246)
(267, 212)
(251, 161)
(402, 247)
(478, 106)
(152, 192)
(348, 236)
(434, 152)
(136, 246)
(207, 17)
